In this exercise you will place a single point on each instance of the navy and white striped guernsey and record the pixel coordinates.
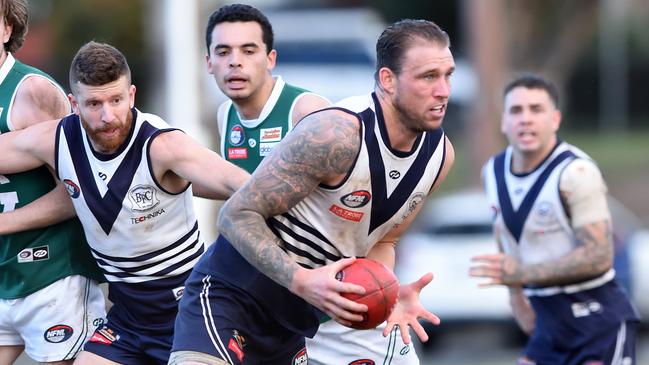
(144, 238)
(382, 188)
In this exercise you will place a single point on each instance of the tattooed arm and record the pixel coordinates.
(321, 149)
(583, 193)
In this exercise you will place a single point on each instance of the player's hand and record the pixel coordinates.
(499, 268)
(320, 288)
(409, 310)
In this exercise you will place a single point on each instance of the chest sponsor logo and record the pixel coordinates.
(178, 292)
(104, 335)
(58, 333)
(356, 199)
(143, 198)
(270, 134)
(144, 218)
(102, 176)
(32, 254)
(237, 153)
(301, 358)
(544, 213)
(349, 215)
(266, 149)
(252, 142)
(72, 187)
(362, 362)
(237, 135)
(394, 174)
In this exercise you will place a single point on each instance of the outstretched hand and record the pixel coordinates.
(409, 310)
(499, 268)
(320, 288)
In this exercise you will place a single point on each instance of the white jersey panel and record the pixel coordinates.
(137, 231)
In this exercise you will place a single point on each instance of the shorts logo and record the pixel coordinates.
(104, 335)
(362, 362)
(73, 189)
(300, 358)
(237, 153)
(356, 199)
(178, 292)
(32, 254)
(270, 134)
(404, 350)
(236, 344)
(58, 333)
(237, 135)
(266, 149)
(585, 309)
(343, 213)
(143, 197)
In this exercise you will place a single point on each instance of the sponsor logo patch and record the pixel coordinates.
(32, 254)
(270, 134)
(362, 362)
(234, 347)
(178, 292)
(144, 218)
(104, 335)
(585, 309)
(143, 198)
(356, 199)
(350, 215)
(58, 333)
(237, 153)
(300, 358)
(237, 135)
(266, 149)
(73, 189)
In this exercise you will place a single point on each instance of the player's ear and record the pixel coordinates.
(272, 58)
(387, 80)
(131, 96)
(73, 103)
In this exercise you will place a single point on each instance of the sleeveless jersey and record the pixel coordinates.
(33, 259)
(382, 188)
(144, 238)
(246, 142)
(534, 227)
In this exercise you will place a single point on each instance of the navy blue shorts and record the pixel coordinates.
(119, 342)
(605, 348)
(226, 322)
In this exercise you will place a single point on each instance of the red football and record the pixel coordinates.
(381, 290)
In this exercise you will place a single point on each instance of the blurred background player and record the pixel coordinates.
(50, 298)
(553, 228)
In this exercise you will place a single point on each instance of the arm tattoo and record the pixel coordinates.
(592, 256)
(322, 146)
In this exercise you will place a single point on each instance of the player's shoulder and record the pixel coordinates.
(356, 103)
(153, 119)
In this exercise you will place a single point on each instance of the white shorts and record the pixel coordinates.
(54, 322)
(337, 344)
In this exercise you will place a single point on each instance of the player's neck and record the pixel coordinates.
(527, 161)
(252, 106)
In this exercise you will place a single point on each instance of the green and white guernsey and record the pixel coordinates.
(31, 260)
(245, 143)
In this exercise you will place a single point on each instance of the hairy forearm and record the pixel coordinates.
(593, 256)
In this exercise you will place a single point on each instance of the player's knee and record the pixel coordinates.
(194, 358)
